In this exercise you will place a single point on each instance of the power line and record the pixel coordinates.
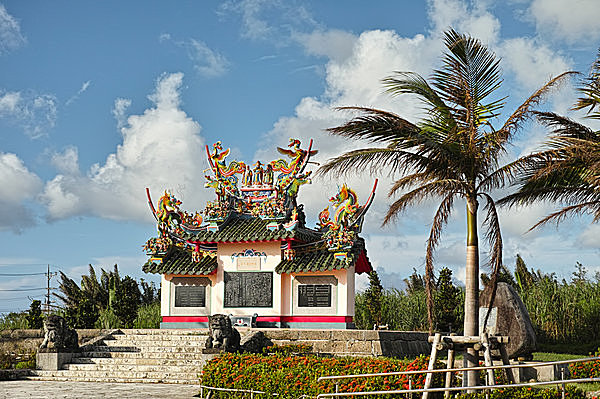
(23, 264)
(25, 289)
(22, 274)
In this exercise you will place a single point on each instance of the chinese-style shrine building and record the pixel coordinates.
(250, 254)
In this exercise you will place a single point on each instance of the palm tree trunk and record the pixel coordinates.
(471, 326)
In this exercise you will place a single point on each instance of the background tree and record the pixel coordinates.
(373, 299)
(34, 315)
(447, 300)
(452, 153)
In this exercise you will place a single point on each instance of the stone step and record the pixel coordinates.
(140, 360)
(151, 343)
(137, 368)
(127, 375)
(151, 349)
(116, 380)
(142, 355)
(160, 338)
(133, 331)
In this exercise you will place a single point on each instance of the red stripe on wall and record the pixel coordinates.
(184, 319)
(306, 319)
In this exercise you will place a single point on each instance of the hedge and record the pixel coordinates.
(294, 376)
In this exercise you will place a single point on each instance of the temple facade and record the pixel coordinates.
(249, 253)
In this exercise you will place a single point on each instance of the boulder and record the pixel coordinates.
(255, 342)
(509, 317)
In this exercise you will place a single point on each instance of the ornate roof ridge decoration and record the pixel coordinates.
(255, 203)
(341, 233)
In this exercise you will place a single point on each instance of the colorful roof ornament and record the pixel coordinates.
(256, 203)
(341, 233)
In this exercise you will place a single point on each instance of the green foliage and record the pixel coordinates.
(13, 321)
(127, 300)
(399, 310)
(34, 315)
(289, 349)
(373, 299)
(586, 370)
(107, 319)
(148, 316)
(28, 364)
(88, 305)
(447, 299)
(294, 376)
(527, 393)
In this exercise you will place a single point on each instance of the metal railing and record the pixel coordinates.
(449, 389)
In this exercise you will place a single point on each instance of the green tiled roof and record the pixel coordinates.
(239, 228)
(321, 260)
(179, 261)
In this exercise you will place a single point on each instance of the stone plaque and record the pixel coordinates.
(491, 324)
(248, 289)
(314, 295)
(248, 263)
(190, 296)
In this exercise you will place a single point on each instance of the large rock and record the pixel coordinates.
(509, 317)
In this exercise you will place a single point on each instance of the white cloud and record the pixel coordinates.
(254, 24)
(10, 32)
(18, 185)
(207, 62)
(572, 21)
(532, 64)
(334, 44)
(471, 18)
(118, 111)
(84, 86)
(161, 149)
(66, 162)
(34, 113)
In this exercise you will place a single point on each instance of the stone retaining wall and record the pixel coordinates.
(354, 342)
(28, 341)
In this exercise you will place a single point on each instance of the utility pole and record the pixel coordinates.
(48, 278)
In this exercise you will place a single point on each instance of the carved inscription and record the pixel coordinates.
(248, 263)
(248, 289)
(314, 295)
(190, 296)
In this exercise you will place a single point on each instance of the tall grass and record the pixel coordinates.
(148, 316)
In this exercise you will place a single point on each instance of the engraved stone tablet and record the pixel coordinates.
(190, 296)
(247, 263)
(314, 295)
(248, 289)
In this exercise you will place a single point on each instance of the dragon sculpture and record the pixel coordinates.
(168, 211)
(340, 233)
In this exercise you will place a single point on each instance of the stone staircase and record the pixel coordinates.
(149, 356)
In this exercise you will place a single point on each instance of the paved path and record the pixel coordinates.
(24, 389)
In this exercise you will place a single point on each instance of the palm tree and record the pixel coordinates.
(452, 153)
(567, 169)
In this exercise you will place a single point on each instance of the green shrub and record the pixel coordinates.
(289, 349)
(29, 364)
(586, 370)
(294, 376)
(148, 316)
(108, 319)
(527, 393)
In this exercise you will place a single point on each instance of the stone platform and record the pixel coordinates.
(176, 356)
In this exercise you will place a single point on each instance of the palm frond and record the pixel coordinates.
(523, 112)
(439, 221)
(494, 238)
(422, 193)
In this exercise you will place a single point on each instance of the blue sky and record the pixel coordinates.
(99, 100)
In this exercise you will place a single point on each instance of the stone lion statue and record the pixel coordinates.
(221, 334)
(57, 336)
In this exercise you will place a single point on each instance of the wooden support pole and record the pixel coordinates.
(487, 355)
(507, 372)
(432, 359)
(450, 365)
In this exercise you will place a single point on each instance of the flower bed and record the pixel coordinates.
(293, 376)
